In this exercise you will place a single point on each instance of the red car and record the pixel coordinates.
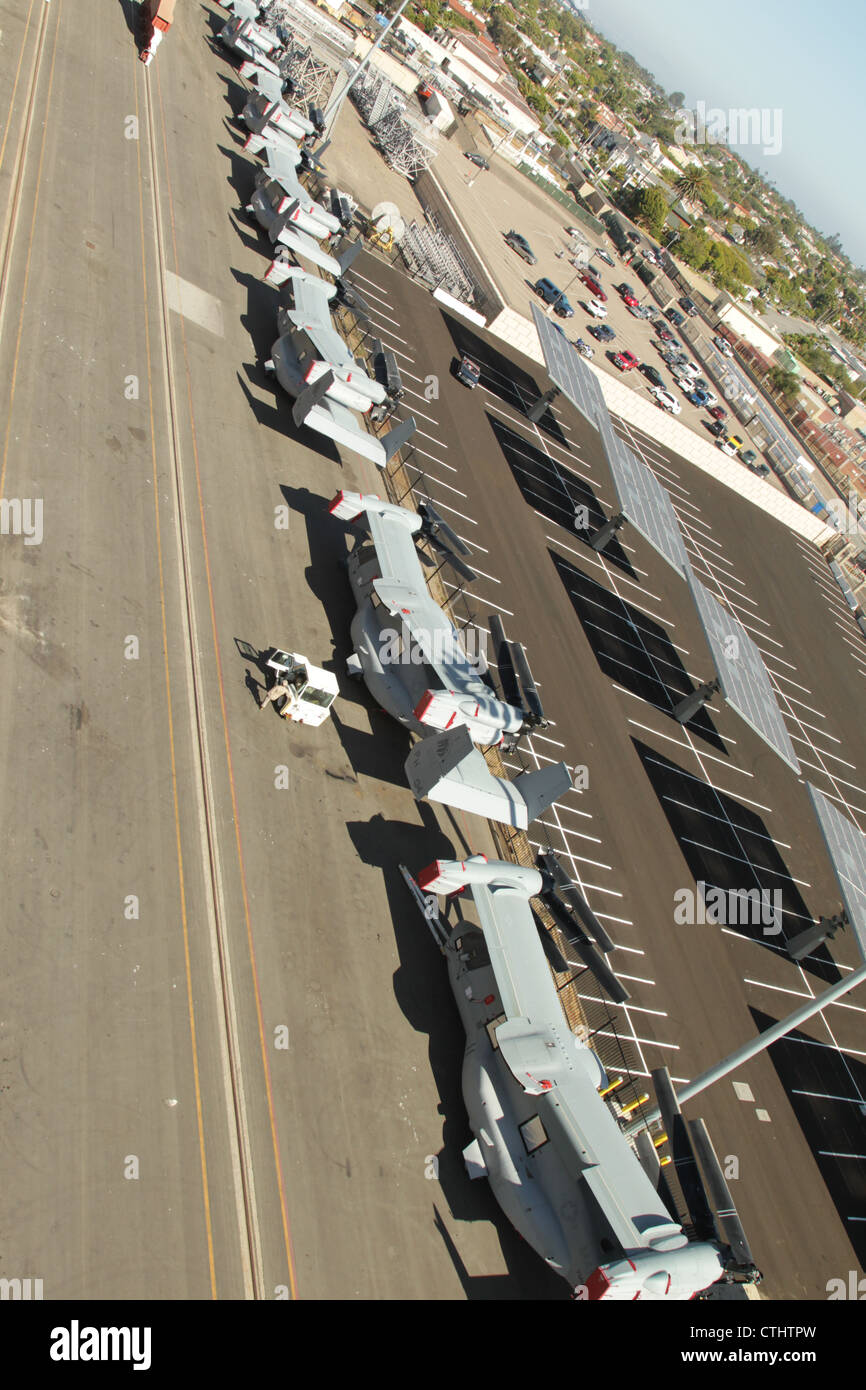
(625, 360)
(628, 295)
(594, 287)
(718, 412)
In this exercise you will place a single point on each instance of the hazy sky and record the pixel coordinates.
(806, 60)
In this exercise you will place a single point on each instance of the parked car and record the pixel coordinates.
(723, 346)
(625, 360)
(698, 398)
(628, 294)
(718, 428)
(478, 159)
(730, 444)
(676, 318)
(593, 286)
(519, 244)
(604, 256)
(748, 457)
(468, 372)
(718, 412)
(633, 237)
(688, 305)
(639, 311)
(691, 369)
(664, 332)
(552, 294)
(592, 306)
(602, 332)
(666, 400)
(584, 349)
(652, 373)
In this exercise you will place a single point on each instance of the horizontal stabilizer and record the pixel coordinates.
(303, 245)
(264, 75)
(348, 506)
(474, 1160)
(447, 767)
(311, 397)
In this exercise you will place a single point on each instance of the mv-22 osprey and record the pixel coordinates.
(414, 663)
(313, 364)
(598, 1212)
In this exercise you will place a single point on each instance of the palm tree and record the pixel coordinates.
(693, 183)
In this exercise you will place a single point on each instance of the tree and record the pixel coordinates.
(784, 382)
(764, 240)
(650, 208)
(677, 100)
(693, 183)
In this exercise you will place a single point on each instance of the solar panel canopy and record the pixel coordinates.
(743, 677)
(643, 500)
(846, 846)
(566, 368)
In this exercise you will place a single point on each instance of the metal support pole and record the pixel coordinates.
(688, 708)
(762, 1041)
(332, 110)
(599, 539)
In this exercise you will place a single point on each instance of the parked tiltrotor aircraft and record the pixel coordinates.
(313, 364)
(415, 665)
(559, 1165)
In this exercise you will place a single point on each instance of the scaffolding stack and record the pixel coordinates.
(409, 144)
(432, 257)
(315, 51)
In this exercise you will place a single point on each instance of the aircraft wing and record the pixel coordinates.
(312, 299)
(329, 346)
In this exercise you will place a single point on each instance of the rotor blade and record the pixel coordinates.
(531, 698)
(719, 1194)
(458, 565)
(583, 947)
(576, 901)
(686, 1166)
(504, 662)
(439, 526)
(555, 959)
(648, 1155)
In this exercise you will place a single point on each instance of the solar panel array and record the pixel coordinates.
(645, 503)
(741, 671)
(743, 677)
(846, 846)
(567, 369)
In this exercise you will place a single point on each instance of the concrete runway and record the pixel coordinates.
(229, 1048)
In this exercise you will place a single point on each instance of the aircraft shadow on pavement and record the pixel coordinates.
(831, 1118)
(557, 493)
(423, 993)
(236, 96)
(502, 377)
(632, 649)
(328, 582)
(242, 179)
(727, 846)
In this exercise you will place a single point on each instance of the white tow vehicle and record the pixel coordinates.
(311, 691)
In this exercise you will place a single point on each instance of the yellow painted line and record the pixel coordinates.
(15, 85)
(235, 815)
(171, 742)
(8, 432)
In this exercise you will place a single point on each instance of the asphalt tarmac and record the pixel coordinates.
(614, 642)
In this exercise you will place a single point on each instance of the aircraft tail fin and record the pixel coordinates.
(314, 393)
(397, 437)
(353, 250)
